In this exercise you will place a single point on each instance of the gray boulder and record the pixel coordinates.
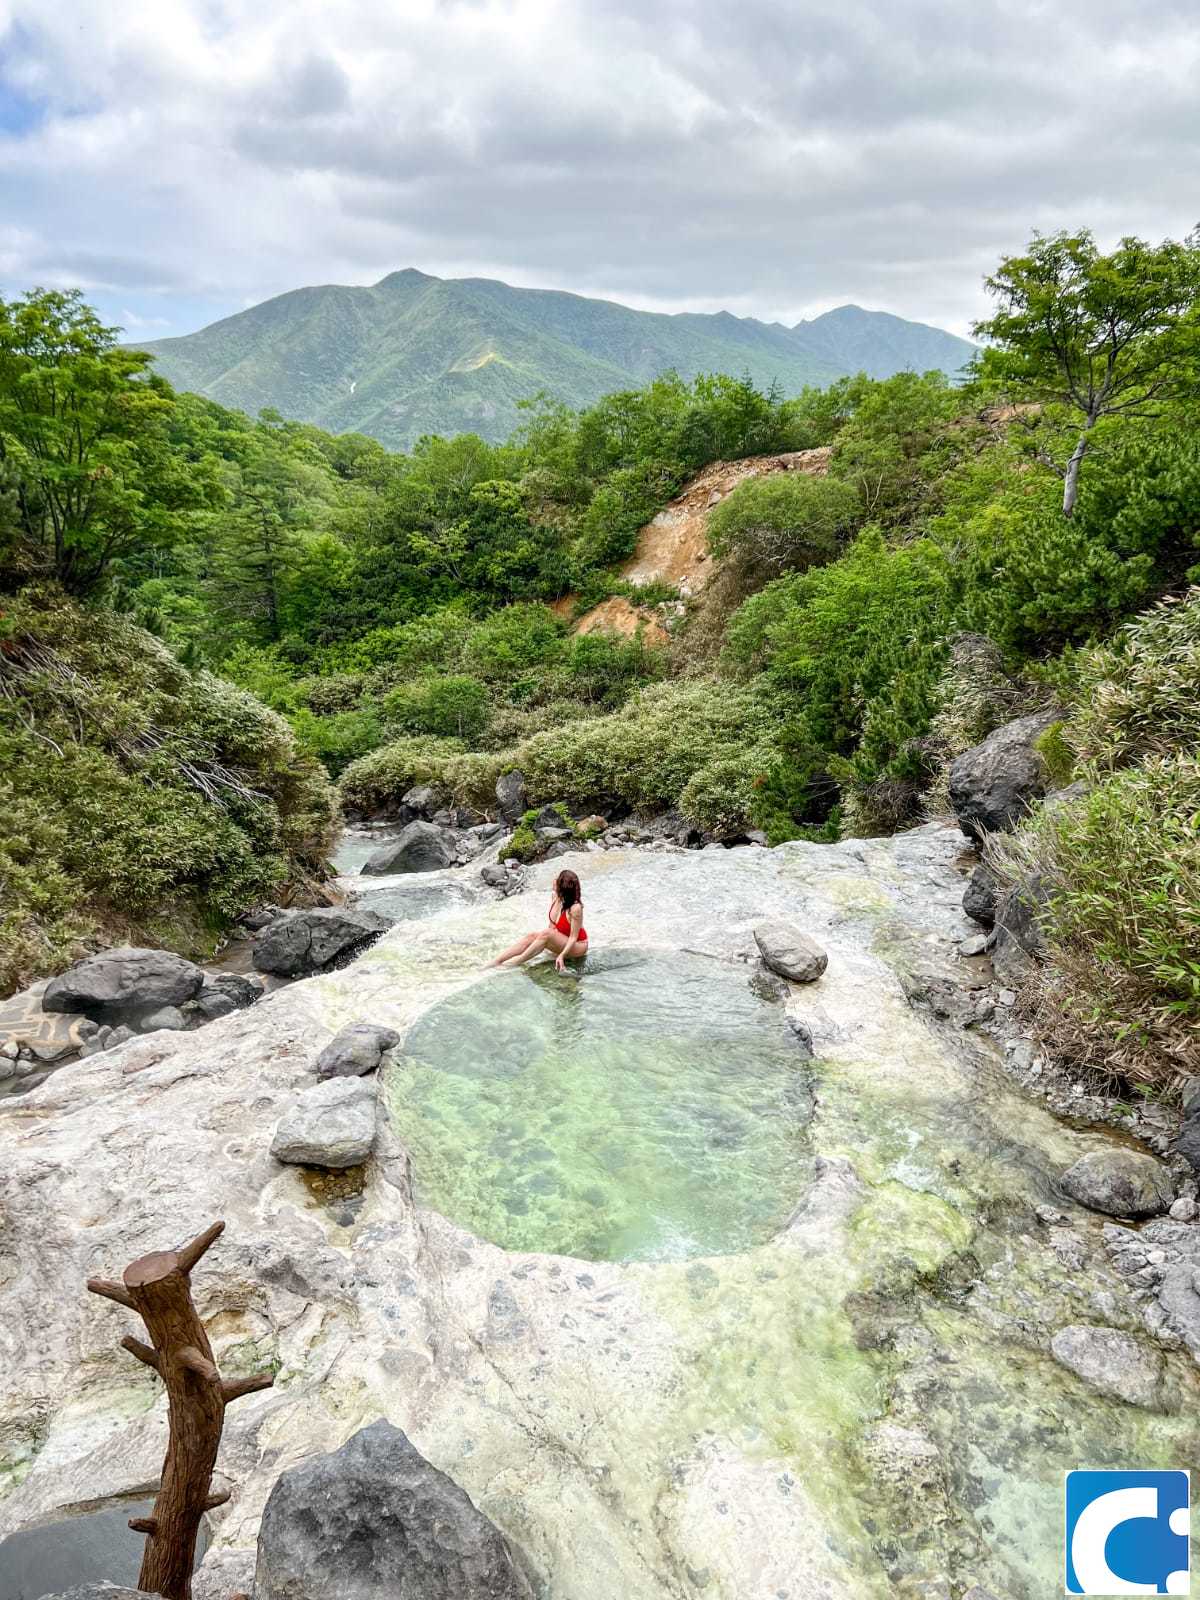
(420, 847)
(1018, 944)
(355, 1051)
(549, 819)
(330, 1125)
(979, 897)
(1120, 1183)
(170, 1017)
(993, 784)
(1110, 1362)
(511, 797)
(303, 942)
(120, 985)
(423, 799)
(789, 952)
(507, 876)
(375, 1519)
(227, 992)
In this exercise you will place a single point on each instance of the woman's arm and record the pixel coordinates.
(576, 916)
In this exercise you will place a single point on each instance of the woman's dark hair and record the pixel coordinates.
(567, 888)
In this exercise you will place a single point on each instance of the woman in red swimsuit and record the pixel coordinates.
(565, 933)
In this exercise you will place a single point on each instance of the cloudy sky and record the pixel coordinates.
(180, 159)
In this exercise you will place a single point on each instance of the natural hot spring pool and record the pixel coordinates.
(651, 1109)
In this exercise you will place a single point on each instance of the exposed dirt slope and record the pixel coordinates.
(673, 548)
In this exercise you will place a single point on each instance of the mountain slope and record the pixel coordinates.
(414, 354)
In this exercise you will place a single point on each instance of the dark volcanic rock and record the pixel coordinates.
(423, 800)
(227, 992)
(979, 897)
(1018, 942)
(122, 984)
(511, 797)
(375, 1519)
(355, 1051)
(303, 942)
(1188, 1142)
(421, 847)
(993, 784)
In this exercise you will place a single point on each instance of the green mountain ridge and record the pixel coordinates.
(414, 354)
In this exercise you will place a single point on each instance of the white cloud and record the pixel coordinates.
(196, 155)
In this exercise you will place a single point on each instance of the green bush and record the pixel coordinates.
(511, 642)
(857, 647)
(645, 754)
(1140, 695)
(1121, 990)
(164, 796)
(642, 756)
(382, 777)
(339, 737)
(785, 521)
(455, 707)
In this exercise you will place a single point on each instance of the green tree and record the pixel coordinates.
(83, 442)
(1084, 336)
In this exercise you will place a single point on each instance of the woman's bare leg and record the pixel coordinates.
(550, 940)
(522, 943)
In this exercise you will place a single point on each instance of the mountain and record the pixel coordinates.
(414, 354)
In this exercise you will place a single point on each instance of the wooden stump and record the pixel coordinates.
(158, 1287)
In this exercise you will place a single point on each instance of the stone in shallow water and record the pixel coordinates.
(1110, 1362)
(355, 1051)
(330, 1125)
(1119, 1182)
(376, 1519)
(789, 952)
(421, 847)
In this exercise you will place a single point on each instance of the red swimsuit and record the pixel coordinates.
(564, 926)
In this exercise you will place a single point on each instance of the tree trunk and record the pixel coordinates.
(1071, 479)
(158, 1287)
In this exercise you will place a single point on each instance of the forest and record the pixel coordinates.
(216, 629)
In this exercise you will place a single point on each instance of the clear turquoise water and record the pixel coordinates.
(649, 1108)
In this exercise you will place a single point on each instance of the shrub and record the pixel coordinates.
(382, 777)
(785, 521)
(512, 725)
(511, 642)
(602, 668)
(454, 707)
(339, 738)
(645, 754)
(1140, 695)
(858, 648)
(1121, 991)
(162, 795)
